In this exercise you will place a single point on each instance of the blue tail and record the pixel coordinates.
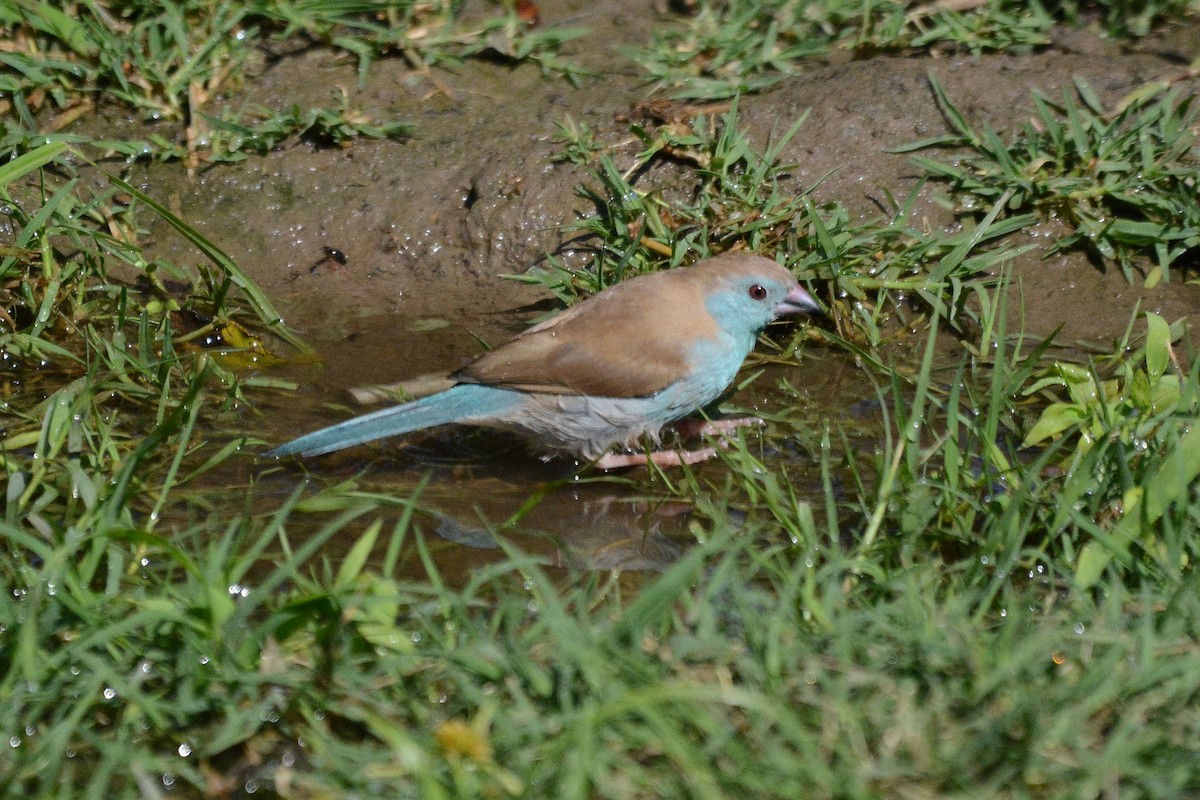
(464, 402)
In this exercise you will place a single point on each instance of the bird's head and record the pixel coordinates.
(747, 292)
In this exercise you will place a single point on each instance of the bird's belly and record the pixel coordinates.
(589, 426)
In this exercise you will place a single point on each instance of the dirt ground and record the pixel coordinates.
(429, 224)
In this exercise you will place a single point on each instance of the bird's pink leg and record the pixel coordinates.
(719, 428)
(662, 458)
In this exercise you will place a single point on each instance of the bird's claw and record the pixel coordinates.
(720, 429)
(661, 458)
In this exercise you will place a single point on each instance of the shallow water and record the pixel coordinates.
(477, 486)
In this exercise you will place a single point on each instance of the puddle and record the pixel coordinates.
(473, 481)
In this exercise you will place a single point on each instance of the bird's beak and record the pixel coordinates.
(798, 301)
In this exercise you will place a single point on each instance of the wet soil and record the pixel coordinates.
(429, 225)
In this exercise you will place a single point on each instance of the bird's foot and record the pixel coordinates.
(661, 458)
(720, 429)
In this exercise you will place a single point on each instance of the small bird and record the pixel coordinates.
(617, 366)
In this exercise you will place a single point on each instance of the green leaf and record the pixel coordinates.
(1080, 383)
(61, 26)
(1057, 417)
(1158, 346)
(262, 305)
(352, 565)
(35, 159)
(1144, 506)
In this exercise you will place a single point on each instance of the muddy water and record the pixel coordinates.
(476, 485)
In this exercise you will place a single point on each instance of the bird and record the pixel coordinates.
(616, 367)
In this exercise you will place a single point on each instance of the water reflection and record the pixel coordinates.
(480, 490)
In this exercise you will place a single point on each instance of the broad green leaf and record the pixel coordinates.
(1057, 417)
(1169, 485)
(23, 165)
(1158, 346)
(352, 565)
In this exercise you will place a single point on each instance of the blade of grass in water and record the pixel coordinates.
(24, 164)
(262, 305)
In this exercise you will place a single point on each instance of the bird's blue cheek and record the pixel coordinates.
(736, 317)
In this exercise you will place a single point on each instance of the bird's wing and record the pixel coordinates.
(633, 340)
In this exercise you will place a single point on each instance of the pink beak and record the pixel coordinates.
(798, 301)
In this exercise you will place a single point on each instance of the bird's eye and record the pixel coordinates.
(758, 292)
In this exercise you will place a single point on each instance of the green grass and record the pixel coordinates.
(1125, 180)
(170, 62)
(231, 137)
(956, 614)
(110, 377)
(735, 197)
(730, 48)
(993, 594)
(925, 637)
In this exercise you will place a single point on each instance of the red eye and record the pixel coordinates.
(757, 292)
